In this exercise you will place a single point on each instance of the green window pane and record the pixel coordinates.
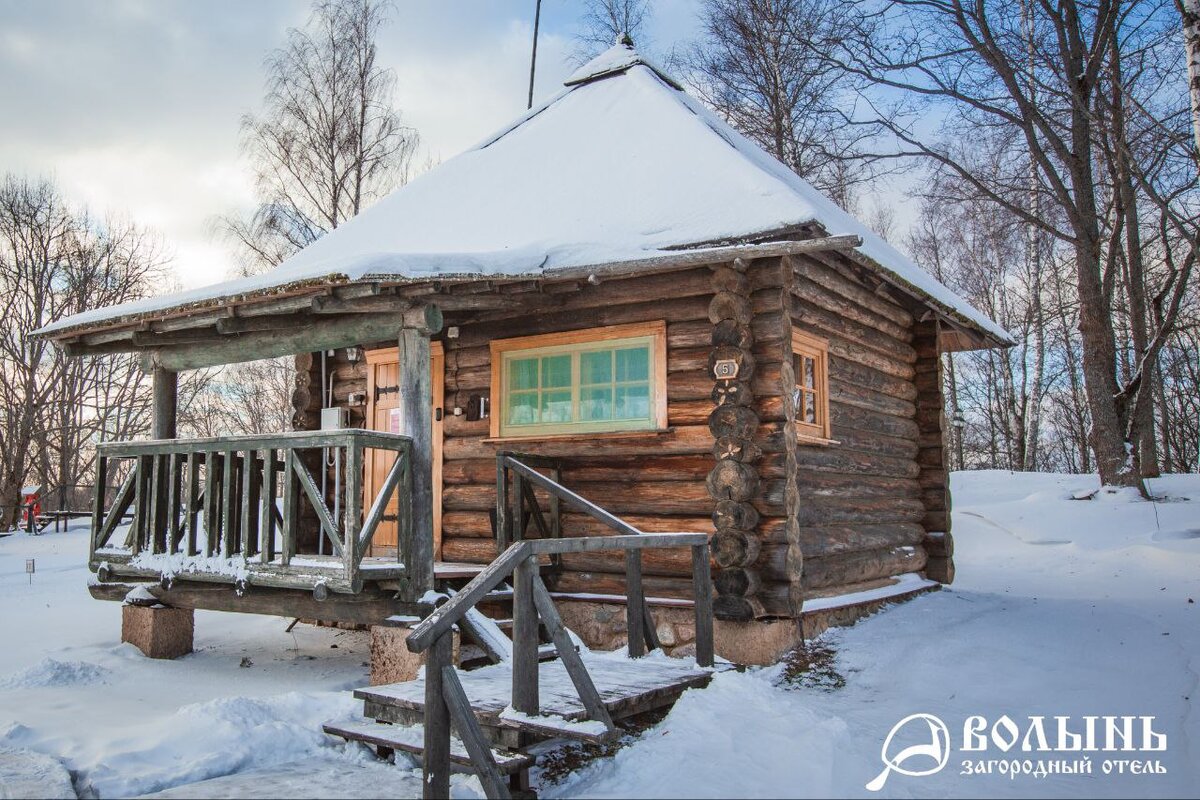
(633, 364)
(596, 367)
(595, 403)
(632, 402)
(522, 408)
(523, 373)
(556, 371)
(556, 406)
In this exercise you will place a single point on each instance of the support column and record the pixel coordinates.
(166, 403)
(416, 422)
(162, 426)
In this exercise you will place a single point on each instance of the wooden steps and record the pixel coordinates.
(411, 739)
(626, 686)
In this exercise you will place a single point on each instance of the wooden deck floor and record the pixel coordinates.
(627, 686)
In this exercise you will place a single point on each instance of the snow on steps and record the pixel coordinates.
(627, 687)
(411, 739)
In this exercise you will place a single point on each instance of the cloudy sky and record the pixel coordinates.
(133, 106)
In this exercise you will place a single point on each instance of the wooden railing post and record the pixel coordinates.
(635, 600)
(228, 503)
(291, 507)
(353, 520)
(702, 586)
(98, 505)
(503, 534)
(525, 638)
(517, 523)
(266, 536)
(436, 758)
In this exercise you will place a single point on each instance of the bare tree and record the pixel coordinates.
(763, 65)
(605, 22)
(329, 140)
(56, 261)
(1043, 76)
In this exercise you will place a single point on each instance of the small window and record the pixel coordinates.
(604, 379)
(811, 394)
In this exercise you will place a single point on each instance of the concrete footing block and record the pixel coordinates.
(158, 631)
(391, 661)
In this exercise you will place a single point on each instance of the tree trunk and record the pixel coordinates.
(1189, 11)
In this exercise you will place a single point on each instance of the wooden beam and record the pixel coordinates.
(370, 607)
(314, 335)
(416, 422)
(272, 322)
(380, 304)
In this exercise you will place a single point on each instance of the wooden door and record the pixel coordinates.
(383, 414)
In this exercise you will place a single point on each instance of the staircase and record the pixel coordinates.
(536, 685)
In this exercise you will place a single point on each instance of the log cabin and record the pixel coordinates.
(616, 315)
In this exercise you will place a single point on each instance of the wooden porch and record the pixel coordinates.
(230, 510)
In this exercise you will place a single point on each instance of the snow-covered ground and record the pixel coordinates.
(1062, 608)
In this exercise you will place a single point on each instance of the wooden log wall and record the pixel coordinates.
(792, 520)
(655, 480)
(932, 457)
(856, 509)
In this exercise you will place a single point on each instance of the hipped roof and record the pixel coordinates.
(621, 165)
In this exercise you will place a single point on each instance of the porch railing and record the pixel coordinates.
(231, 510)
(446, 704)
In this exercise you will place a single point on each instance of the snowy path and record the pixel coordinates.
(1098, 623)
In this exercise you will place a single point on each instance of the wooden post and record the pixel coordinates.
(436, 758)
(634, 602)
(166, 387)
(98, 504)
(416, 422)
(353, 520)
(702, 584)
(266, 541)
(503, 539)
(162, 426)
(525, 638)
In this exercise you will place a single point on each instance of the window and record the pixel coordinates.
(811, 396)
(600, 380)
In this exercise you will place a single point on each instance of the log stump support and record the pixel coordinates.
(734, 481)
(934, 477)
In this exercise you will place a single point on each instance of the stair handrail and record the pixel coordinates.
(533, 606)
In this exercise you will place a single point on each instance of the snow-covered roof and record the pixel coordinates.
(620, 166)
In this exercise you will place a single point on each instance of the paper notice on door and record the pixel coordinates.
(394, 420)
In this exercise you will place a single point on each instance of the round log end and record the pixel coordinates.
(732, 393)
(733, 422)
(732, 480)
(738, 581)
(727, 305)
(735, 548)
(730, 334)
(320, 593)
(733, 608)
(742, 450)
(732, 515)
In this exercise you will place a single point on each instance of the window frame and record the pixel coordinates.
(574, 342)
(816, 348)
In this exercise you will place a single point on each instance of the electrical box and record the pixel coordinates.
(334, 419)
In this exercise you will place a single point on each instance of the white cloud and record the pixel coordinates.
(134, 106)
